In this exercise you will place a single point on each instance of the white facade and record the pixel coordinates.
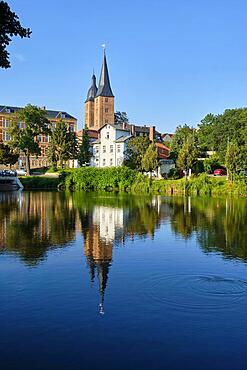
(109, 149)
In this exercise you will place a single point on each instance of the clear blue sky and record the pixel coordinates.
(170, 61)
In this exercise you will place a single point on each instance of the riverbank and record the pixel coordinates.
(125, 179)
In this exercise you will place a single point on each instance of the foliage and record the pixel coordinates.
(187, 156)
(7, 156)
(181, 135)
(215, 131)
(25, 139)
(211, 163)
(84, 153)
(63, 145)
(232, 159)
(137, 147)
(174, 174)
(91, 178)
(9, 26)
(150, 160)
(120, 117)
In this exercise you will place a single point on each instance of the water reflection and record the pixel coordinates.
(32, 223)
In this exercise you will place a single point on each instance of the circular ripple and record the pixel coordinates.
(196, 292)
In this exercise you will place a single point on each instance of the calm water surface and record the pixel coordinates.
(102, 281)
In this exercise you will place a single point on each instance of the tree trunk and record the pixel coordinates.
(28, 164)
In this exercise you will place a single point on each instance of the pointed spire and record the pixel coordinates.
(104, 83)
(92, 90)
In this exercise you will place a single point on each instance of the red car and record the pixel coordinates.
(219, 172)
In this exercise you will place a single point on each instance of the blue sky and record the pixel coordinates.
(170, 61)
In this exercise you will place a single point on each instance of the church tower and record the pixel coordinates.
(99, 105)
(89, 104)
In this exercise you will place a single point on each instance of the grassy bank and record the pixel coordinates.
(38, 182)
(125, 179)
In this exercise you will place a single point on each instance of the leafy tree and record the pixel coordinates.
(232, 159)
(137, 147)
(84, 154)
(63, 145)
(7, 156)
(216, 130)
(9, 26)
(181, 135)
(120, 117)
(150, 160)
(25, 139)
(187, 156)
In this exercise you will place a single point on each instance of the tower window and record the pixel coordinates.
(104, 149)
(111, 148)
(106, 100)
(111, 162)
(106, 110)
(104, 162)
(107, 135)
(118, 148)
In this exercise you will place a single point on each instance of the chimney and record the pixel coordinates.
(151, 133)
(132, 130)
(124, 125)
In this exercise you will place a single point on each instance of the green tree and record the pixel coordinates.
(25, 139)
(9, 26)
(137, 147)
(120, 117)
(150, 160)
(84, 154)
(7, 156)
(216, 130)
(181, 135)
(187, 156)
(211, 163)
(62, 146)
(232, 159)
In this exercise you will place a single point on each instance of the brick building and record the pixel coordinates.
(7, 113)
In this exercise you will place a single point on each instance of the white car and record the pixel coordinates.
(21, 172)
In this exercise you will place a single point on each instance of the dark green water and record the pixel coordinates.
(110, 281)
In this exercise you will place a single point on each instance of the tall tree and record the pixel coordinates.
(9, 26)
(180, 137)
(120, 117)
(150, 160)
(232, 159)
(137, 147)
(84, 154)
(187, 156)
(25, 139)
(62, 146)
(7, 156)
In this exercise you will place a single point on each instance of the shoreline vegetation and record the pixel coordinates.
(123, 179)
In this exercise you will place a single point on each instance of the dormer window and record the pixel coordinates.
(7, 110)
(63, 115)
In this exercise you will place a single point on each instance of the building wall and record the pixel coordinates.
(89, 114)
(108, 152)
(42, 160)
(103, 111)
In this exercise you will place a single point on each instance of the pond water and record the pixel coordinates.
(107, 281)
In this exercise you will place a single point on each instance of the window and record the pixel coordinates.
(6, 123)
(111, 148)
(63, 115)
(118, 148)
(106, 100)
(19, 125)
(6, 136)
(106, 120)
(106, 110)
(97, 149)
(39, 138)
(104, 162)
(7, 110)
(111, 162)
(104, 149)
(107, 135)
(71, 128)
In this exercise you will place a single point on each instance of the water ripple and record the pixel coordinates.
(195, 292)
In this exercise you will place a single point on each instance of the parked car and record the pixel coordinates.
(21, 172)
(8, 173)
(219, 172)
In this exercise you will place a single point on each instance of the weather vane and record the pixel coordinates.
(104, 47)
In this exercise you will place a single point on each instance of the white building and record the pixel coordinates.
(109, 149)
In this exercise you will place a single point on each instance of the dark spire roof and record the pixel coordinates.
(104, 83)
(92, 90)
